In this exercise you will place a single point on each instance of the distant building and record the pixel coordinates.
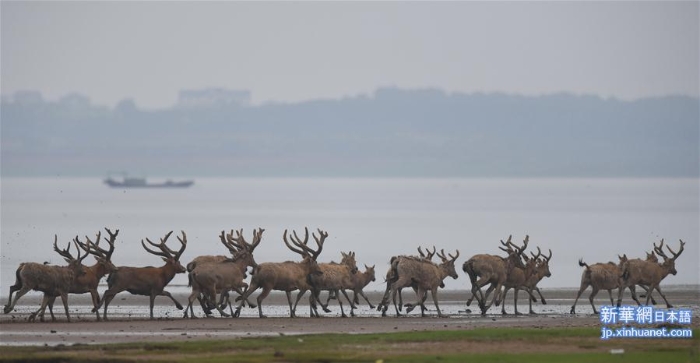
(212, 97)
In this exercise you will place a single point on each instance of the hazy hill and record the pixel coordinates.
(425, 133)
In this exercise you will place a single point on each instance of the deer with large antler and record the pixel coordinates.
(494, 270)
(93, 274)
(640, 272)
(286, 276)
(426, 276)
(221, 277)
(147, 281)
(51, 280)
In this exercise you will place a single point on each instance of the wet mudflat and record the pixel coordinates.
(129, 319)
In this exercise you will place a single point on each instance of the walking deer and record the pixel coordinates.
(427, 276)
(51, 280)
(93, 274)
(226, 275)
(638, 272)
(148, 281)
(335, 277)
(286, 276)
(494, 270)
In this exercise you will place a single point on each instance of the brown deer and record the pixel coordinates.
(51, 280)
(335, 277)
(599, 276)
(516, 280)
(541, 271)
(638, 272)
(286, 276)
(494, 270)
(427, 277)
(359, 280)
(392, 276)
(226, 275)
(226, 241)
(148, 281)
(93, 274)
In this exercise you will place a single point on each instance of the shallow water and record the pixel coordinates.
(593, 219)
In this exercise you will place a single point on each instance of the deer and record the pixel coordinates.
(637, 272)
(391, 277)
(494, 270)
(93, 274)
(205, 259)
(148, 281)
(516, 280)
(286, 276)
(427, 276)
(335, 277)
(359, 281)
(229, 274)
(541, 271)
(51, 280)
(600, 276)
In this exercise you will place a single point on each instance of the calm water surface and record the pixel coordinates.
(593, 219)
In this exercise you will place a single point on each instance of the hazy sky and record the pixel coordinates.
(294, 51)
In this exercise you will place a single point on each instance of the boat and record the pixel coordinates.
(136, 182)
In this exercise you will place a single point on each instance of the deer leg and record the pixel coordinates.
(194, 295)
(221, 304)
(95, 301)
(362, 293)
(620, 292)
(583, 288)
(106, 299)
(16, 287)
(352, 305)
(515, 300)
(260, 298)
(40, 312)
(50, 305)
(591, 297)
(435, 300)
(177, 304)
(633, 291)
(503, 305)
(531, 312)
(544, 302)
(340, 302)
(660, 293)
(648, 292)
(19, 294)
(289, 301)
(64, 298)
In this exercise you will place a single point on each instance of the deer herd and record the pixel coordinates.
(213, 278)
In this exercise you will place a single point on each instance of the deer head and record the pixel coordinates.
(449, 263)
(669, 262)
(349, 261)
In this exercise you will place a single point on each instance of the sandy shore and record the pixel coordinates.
(130, 321)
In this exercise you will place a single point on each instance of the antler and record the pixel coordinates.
(455, 256)
(227, 241)
(522, 249)
(675, 255)
(301, 249)
(659, 249)
(241, 243)
(65, 253)
(319, 242)
(110, 242)
(507, 244)
(164, 250)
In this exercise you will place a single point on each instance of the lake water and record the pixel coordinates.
(593, 219)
